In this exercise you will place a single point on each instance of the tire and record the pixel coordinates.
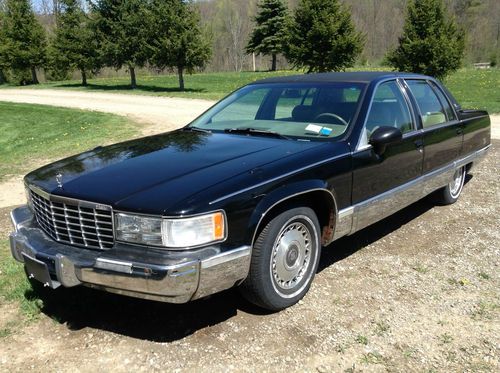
(284, 260)
(450, 193)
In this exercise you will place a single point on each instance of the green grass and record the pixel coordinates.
(15, 287)
(209, 86)
(473, 88)
(34, 133)
(476, 89)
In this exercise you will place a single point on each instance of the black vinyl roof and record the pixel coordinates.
(355, 76)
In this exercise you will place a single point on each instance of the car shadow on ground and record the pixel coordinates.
(127, 87)
(82, 307)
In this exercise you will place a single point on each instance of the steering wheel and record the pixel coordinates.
(330, 115)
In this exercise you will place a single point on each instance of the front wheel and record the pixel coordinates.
(450, 193)
(284, 260)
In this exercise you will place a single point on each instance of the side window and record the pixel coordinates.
(444, 101)
(428, 102)
(244, 108)
(389, 108)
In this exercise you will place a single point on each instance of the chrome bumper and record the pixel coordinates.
(175, 277)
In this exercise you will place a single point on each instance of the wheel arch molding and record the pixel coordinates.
(315, 194)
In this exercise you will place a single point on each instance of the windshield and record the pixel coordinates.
(292, 110)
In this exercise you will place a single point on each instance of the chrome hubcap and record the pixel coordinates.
(291, 255)
(456, 184)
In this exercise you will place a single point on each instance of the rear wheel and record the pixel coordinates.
(284, 260)
(450, 193)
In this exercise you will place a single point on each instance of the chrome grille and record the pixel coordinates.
(74, 222)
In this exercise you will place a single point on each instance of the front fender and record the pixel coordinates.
(283, 193)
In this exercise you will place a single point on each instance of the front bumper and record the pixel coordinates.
(175, 277)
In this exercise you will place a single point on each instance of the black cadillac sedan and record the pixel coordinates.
(248, 193)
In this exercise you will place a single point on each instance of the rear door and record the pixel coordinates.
(442, 132)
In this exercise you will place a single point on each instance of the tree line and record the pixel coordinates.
(230, 22)
(90, 35)
(320, 36)
(313, 35)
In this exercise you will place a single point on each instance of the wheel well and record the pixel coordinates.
(321, 202)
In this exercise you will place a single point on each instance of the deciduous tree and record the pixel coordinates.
(269, 32)
(431, 43)
(322, 37)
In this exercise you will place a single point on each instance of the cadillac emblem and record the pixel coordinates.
(59, 179)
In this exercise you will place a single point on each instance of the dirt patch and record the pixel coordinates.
(12, 192)
(495, 126)
(415, 292)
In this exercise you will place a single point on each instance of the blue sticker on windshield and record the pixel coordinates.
(325, 131)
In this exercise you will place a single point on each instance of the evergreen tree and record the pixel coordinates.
(23, 45)
(431, 43)
(75, 44)
(3, 63)
(124, 29)
(268, 34)
(177, 41)
(322, 37)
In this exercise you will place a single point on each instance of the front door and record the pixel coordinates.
(376, 177)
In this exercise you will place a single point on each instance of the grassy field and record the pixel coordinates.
(473, 88)
(476, 89)
(34, 132)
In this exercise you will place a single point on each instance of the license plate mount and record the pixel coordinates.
(38, 270)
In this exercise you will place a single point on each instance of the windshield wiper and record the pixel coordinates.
(256, 132)
(196, 129)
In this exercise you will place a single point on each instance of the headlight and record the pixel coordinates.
(181, 232)
(138, 229)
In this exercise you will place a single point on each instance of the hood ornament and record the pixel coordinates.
(59, 179)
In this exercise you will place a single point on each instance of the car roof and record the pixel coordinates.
(354, 76)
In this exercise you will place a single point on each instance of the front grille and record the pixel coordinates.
(74, 222)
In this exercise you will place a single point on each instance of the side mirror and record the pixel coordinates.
(384, 136)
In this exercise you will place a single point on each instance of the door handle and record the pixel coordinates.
(459, 131)
(419, 143)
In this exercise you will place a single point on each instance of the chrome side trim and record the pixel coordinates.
(343, 225)
(277, 178)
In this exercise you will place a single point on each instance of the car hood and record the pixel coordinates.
(180, 163)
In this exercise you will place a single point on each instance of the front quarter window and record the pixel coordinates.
(293, 110)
